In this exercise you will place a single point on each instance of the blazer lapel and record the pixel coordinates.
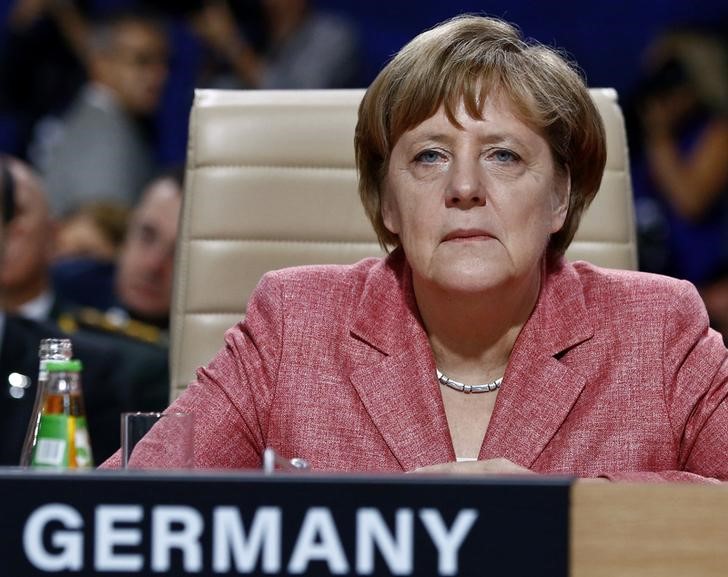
(538, 390)
(396, 377)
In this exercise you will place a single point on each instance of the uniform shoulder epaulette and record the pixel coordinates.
(112, 321)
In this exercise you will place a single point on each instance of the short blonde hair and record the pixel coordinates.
(464, 59)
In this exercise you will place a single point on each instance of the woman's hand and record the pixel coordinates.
(499, 466)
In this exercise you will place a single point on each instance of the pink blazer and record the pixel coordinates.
(615, 374)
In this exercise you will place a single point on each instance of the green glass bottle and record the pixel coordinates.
(49, 350)
(62, 440)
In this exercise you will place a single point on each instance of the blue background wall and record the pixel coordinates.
(605, 38)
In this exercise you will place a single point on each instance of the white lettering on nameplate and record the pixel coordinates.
(68, 540)
(230, 543)
(118, 529)
(108, 536)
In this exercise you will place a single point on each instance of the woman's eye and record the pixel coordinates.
(503, 155)
(428, 156)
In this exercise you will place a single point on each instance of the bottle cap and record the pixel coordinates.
(72, 366)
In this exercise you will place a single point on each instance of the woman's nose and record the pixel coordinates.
(465, 189)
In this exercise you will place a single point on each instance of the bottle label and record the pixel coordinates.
(82, 444)
(62, 442)
(52, 442)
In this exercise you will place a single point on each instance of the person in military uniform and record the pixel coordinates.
(141, 297)
(137, 322)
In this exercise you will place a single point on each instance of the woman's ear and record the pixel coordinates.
(560, 201)
(390, 211)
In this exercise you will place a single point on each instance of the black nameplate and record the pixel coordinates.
(120, 524)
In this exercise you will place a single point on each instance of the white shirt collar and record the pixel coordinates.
(100, 96)
(38, 309)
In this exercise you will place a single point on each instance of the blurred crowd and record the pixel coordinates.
(679, 163)
(151, 54)
(93, 120)
(93, 198)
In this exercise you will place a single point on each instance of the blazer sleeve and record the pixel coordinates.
(231, 396)
(695, 381)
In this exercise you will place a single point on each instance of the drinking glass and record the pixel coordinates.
(157, 440)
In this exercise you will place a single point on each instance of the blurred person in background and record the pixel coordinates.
(134, 294)
(88, 244)
(135, 287)
(306, 48)
(29, 238)
(41, 64)
(146, 264)
(95, 231)
(138, 289)
(117, 376)
(681, 178)
(103, 148)
(34, 239)
(28, 291)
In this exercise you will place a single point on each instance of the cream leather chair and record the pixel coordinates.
(271, 183)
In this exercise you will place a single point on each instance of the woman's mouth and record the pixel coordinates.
(469, 234)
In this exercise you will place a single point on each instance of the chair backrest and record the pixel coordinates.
(271, 183)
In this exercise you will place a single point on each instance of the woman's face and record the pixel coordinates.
(474, 206)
